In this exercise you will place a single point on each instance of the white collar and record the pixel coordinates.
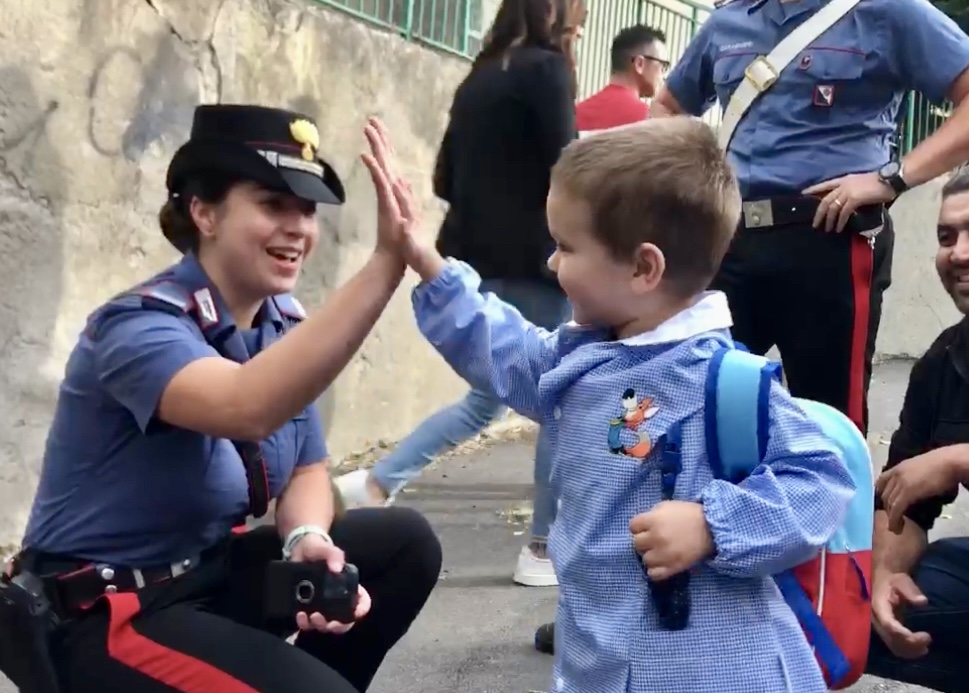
(710, 313)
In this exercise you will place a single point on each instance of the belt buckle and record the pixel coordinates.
(758, 214)
(761, 74)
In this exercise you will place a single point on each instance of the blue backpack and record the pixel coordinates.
(829, 594)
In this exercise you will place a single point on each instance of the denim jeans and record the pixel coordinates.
(943, 576)
(546, 307)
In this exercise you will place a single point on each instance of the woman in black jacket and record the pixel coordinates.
(510, 120)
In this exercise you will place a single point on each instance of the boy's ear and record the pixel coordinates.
(650, 267)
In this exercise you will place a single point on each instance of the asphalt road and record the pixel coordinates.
(475, 636)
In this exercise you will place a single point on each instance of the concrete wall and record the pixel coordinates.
(94, 97)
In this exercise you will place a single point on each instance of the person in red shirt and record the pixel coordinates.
(639, 61)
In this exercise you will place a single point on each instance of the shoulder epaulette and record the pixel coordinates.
(290, 307)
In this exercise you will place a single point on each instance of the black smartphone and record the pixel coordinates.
(312, 588)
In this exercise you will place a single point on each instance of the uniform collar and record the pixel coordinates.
(709, 314)
(781, 13)
(191, 270)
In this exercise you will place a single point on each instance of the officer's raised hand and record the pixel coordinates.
(840, 197)
(314, 549)
(398, 215)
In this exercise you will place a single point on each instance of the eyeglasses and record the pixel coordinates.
(664, 64)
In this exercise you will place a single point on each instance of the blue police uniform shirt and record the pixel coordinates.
(118, 485)
(834, 109)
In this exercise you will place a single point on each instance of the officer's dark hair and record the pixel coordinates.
(174, 217)
(958, 182)
(664, 181)
(630, 42)
(526, 23)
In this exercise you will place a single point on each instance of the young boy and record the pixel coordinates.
(642, 217)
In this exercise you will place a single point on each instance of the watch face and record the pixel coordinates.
(890, 169)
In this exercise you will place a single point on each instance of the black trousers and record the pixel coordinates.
(817, 297)
(943, 576)
(204, 632)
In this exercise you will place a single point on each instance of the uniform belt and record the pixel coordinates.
(73, 585)
(799, 210)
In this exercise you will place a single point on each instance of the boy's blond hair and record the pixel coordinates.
(665, 181)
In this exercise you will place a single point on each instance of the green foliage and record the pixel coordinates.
(957, 9)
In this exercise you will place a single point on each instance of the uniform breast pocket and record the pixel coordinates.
(728, 70)
(830, 78)
(280, 451)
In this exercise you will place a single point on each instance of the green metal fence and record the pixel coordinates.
(679, 20)
(449, 25)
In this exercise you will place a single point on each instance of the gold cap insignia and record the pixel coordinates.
(306, 134)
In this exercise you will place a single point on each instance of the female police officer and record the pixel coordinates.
(141, 485)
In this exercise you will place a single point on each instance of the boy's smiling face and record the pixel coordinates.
(603, 291)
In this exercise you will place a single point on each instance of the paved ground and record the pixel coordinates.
(475, 634)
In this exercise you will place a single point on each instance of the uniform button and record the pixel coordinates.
(187, 563)
(557, 413)
(559, 683)
(107, 574)
(755, 218)
(110, 589)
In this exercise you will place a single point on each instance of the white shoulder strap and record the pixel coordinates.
(762, 72)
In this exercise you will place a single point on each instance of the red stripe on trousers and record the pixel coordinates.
(170, 667)
(862, 262)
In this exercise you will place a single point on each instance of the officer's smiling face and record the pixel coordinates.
(952, 258)
(262, 237)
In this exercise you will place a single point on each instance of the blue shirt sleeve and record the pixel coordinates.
(486, 341)
(312, 448)
(929, 50)
(691, 80)
(137, 352)
(791, 504)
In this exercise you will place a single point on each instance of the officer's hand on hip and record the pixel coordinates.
(314, 548)
(891, 592)
(840, 197)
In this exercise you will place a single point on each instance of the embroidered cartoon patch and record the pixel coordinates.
(635, 414)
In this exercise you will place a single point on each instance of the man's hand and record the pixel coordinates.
(314, 548)
(840, 197)
(671, 538)
(890, 593)
(930, 474)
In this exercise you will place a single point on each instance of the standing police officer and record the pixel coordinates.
(813, 155)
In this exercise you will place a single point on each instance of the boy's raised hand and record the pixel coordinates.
(398, 214)
(672, 537)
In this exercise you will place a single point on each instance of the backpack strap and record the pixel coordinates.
(737, 411)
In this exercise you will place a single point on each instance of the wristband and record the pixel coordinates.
(294, 538)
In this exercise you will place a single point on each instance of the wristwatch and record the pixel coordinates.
(891, 175)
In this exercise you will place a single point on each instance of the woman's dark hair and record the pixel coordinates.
(174, 217)
(543, 23)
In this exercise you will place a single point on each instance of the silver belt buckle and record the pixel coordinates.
(758, 214)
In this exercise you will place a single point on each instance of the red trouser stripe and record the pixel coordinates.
(862, 262)
(170, 667)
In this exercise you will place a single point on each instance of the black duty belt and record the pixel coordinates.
(74, 585)
(799, 210)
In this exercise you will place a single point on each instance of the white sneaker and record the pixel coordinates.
(533, 571)
(355, 491)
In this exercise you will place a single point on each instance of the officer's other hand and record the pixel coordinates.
(925, 476)
(891, 592)
(840, 197)
(398, 215)
(312, 548)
